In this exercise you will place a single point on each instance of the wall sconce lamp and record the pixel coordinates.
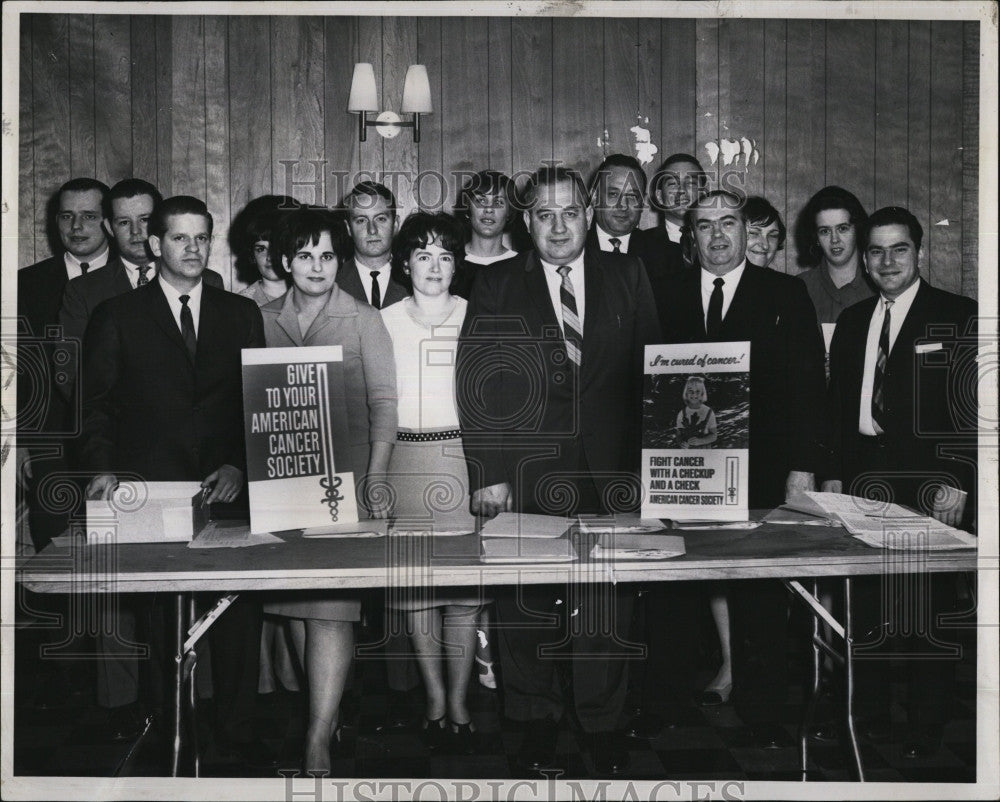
(364, 99)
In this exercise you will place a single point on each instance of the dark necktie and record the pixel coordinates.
(376, 292)
(616, 244)
(571, 321)
(878, 398)
(187, 328)
(143, 278)
(713, 323)
(84, 267)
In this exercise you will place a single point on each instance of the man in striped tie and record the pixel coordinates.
(548, 381)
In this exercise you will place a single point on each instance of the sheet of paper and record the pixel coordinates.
(522, 525)
(230, 537)
(620, 523)
(783, 515)
(716, 525)
(368, 528)
(909, 539)
(621, 546)
(517, 550)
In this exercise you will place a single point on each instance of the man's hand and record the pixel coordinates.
(101, 487)
(226, 484)
(491, 501)
(833, 486)
(949, 505)
(798, 482)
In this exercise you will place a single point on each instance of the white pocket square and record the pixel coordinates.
(924, 348)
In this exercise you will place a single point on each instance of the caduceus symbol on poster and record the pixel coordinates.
(331, 482)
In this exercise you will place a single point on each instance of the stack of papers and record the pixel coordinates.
(520, 525)
(530, 550)
(620, 546)
(883, 525)
(599, 524)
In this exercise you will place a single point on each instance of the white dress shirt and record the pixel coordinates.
(604, 240)
(132, 271)
(554, 280)
(73, 268)
(732, 281)
(365, 274)
(673, 231)
(174, 299)
(897, 314)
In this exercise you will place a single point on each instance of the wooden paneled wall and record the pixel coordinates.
(229, 108)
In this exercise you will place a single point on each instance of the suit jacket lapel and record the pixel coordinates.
(737, 319)
(537, 289)
(593, 282)
(161, 314)
(118, 277)
(913, 326)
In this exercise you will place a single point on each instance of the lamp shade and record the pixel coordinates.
(364, 96)
(417, 90)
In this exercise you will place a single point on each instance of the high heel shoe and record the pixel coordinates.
(435, 732)
(335, 739)
(712, 697)
(463, 739)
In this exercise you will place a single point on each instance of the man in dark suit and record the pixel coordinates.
(45, 417)
(728, 299)
(903, 388)
(617, 195)
(549, 377)
(372, 220)
(127, 209)
(675, 186)
(162, 401)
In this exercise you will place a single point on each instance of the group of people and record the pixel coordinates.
(536, 409)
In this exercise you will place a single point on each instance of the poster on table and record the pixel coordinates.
(298, 449)
(695, 431)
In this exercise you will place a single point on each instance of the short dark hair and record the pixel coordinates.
(130, 188)
(759, 211)
(178, 204)
(831, 197)
(83, 185)
(619, 160)
(727, 199)
(301, 227)
(549, 175)
(371, 189)
(664, 170)
(421, 227)
(891, 216)
(485, 182)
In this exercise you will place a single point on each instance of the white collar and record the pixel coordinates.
(673, 230)
(604, 239)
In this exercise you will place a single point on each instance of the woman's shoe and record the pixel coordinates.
(334, 748)
(712, 697)
(435, 732)
(463, 739)
(484, 670)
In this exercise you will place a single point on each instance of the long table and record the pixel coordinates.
(790, 553)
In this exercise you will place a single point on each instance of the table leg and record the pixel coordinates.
(179, 633)
(810, 709)
(849, 676)
(193, 693)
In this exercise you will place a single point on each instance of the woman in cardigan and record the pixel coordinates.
(312, 243)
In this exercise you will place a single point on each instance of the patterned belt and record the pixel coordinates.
(427, 437)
